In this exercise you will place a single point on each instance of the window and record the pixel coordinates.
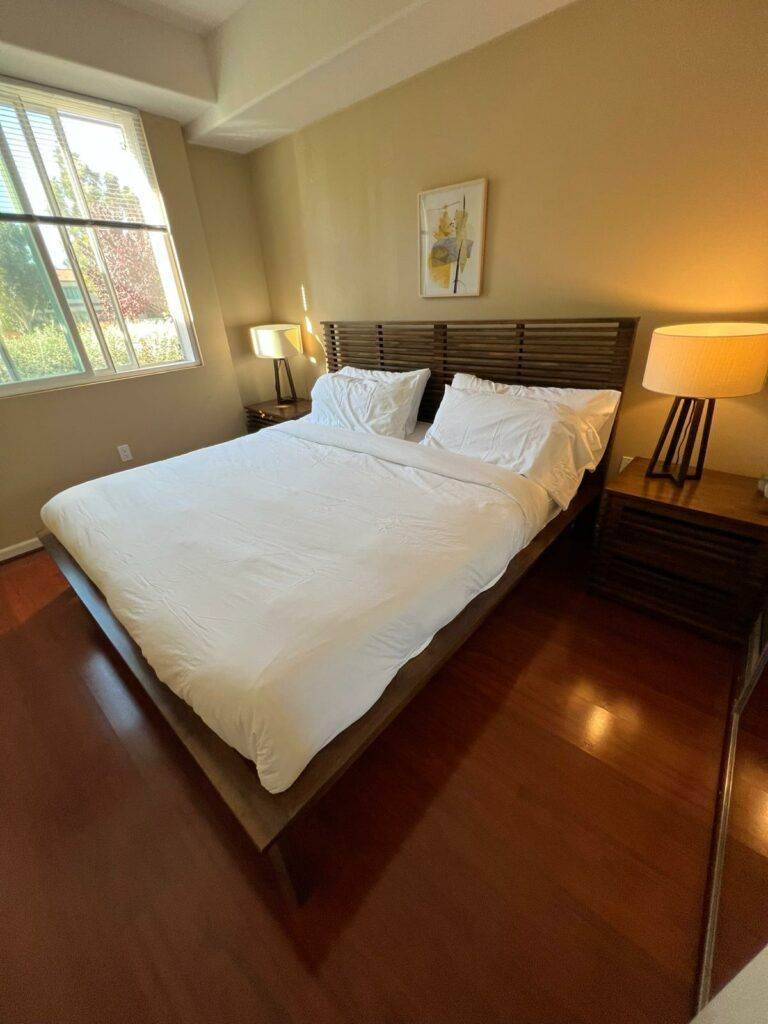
(89, 284)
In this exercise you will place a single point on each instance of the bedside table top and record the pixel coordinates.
(725, 495)
(280, 413)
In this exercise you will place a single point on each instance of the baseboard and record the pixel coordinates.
(14, 550)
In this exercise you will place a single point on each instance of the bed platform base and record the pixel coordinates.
(265, 816)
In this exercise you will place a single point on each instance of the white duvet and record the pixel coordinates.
(278, 582)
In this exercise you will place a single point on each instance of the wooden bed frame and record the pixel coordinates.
(560, 353)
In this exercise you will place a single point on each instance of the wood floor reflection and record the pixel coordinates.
(527, 842)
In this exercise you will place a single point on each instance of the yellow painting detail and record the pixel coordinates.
(451, 246)
(452, 239)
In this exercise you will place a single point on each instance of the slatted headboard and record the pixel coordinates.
(576, 353)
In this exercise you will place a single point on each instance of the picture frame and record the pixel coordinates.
(452, 239)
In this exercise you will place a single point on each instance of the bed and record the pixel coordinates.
(294, 589)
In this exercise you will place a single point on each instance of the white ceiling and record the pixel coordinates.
(279, 65)
(198, 16)
(240, 73)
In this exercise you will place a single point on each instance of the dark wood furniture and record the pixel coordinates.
(697, 554)
(576, 353)
(267, 414)
(554, 353)
(281, 398)
(686, 414)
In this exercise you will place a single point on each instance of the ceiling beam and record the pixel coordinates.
(281, 66)
(270, 68)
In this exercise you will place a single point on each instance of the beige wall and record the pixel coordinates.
(53, 439)
(227, 208)
(627, 157)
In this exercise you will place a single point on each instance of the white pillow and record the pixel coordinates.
(596, 407)
(415, 379)
(543, 441)
(365, 405)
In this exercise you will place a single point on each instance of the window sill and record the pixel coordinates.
(42, 387)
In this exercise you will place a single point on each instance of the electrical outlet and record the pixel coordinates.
(625, 461)
(125, 453)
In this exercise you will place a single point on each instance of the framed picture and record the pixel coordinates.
(451, 239)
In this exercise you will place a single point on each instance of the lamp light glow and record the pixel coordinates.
(276, 341)
(719, 360)
(697, 363)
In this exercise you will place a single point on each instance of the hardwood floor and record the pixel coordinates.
(527, 842)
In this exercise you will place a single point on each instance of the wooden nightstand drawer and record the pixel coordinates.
(697, 554)
(255, 421)
(679, 546)
(266, 414)
(704, 608)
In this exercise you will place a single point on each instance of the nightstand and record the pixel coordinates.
(696, 553)
(266, 414)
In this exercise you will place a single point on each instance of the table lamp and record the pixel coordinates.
(697, 363)
(278, 342)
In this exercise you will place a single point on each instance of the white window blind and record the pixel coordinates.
(89, 282)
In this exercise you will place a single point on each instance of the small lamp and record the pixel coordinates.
(698, 363)
(278, 342)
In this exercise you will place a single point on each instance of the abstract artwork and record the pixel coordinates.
(451, 239)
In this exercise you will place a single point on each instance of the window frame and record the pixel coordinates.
(128, 119)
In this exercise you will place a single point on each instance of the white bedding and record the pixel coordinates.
(418, 434)
(278, 582)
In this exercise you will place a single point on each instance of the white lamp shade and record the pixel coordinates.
(707, 360)
(276, 341)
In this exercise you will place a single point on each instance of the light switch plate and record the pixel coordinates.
(125, 453)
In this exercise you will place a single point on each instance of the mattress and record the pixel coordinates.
(277, 582)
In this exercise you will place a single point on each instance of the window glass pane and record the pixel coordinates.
(113, 181)
(139, 266)
(68, 281)
(72, 294)
(34, 331)
(43, 129)
(83, 242)
(24, 164)
(9, 200)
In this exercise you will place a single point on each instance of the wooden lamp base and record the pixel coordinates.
(281, 399)
(680, 433)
